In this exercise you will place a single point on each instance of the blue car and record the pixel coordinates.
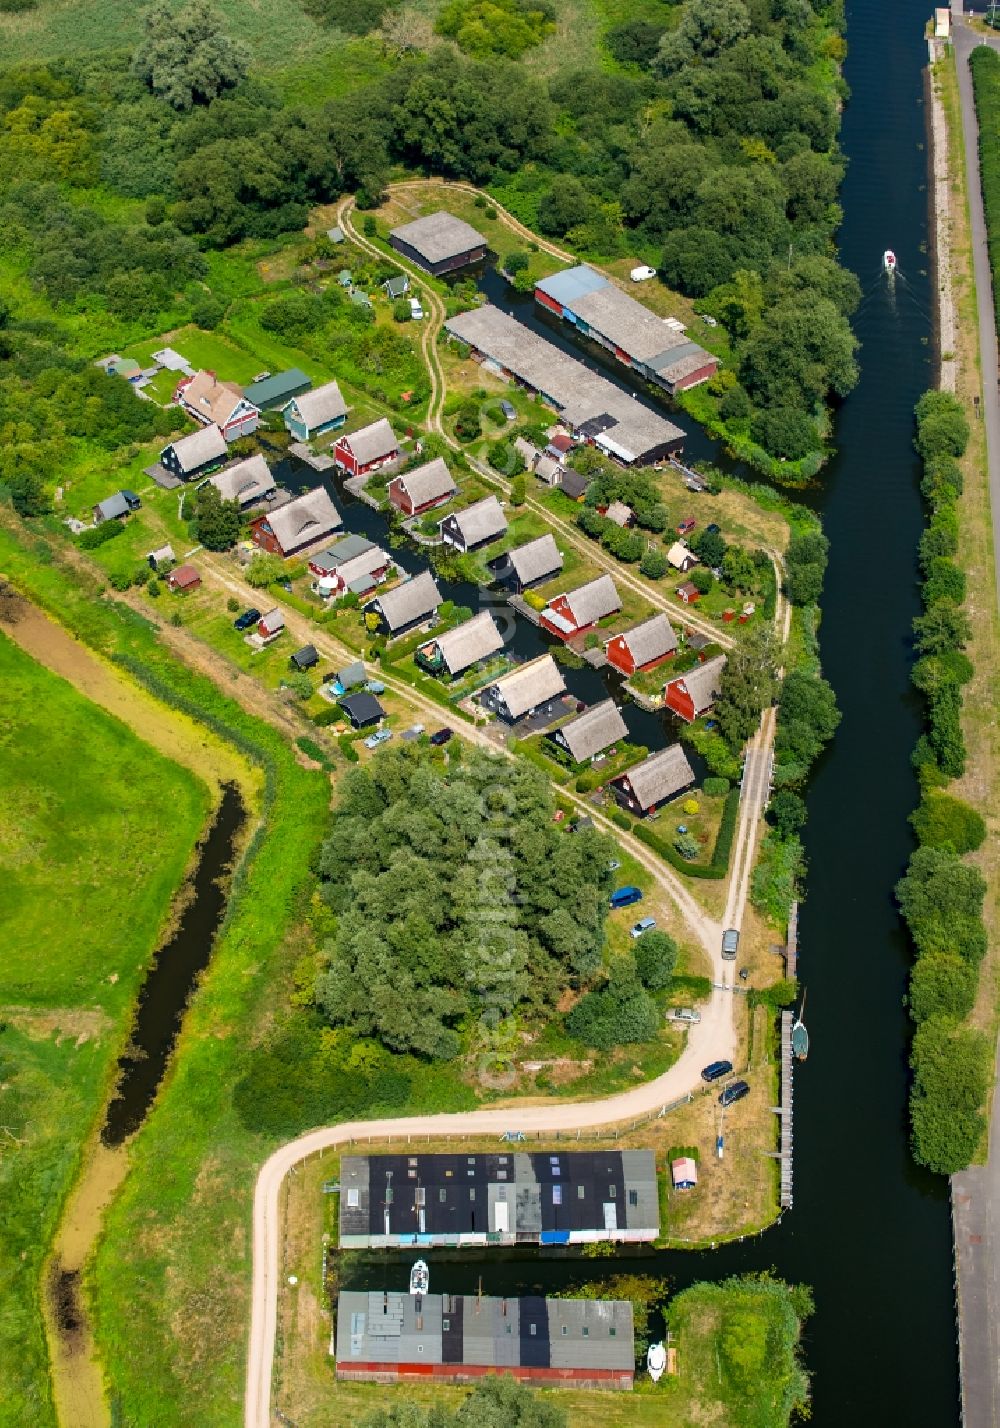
(715, 1070)
(248, 618)
(625, 897)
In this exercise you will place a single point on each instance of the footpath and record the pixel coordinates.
(975, 1193)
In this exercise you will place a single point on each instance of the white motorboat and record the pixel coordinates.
(656, 1361)
(420, 1277)
(889, 261)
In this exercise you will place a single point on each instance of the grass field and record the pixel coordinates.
(89, 866)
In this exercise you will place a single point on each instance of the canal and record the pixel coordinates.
(869, 1232)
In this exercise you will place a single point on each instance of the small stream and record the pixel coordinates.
(174, 974)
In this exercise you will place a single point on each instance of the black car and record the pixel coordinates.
(716, 1069)
(248, 618)
(442, 736)
(732, 1093)
(713, 529)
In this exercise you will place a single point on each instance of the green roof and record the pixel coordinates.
(275, 391)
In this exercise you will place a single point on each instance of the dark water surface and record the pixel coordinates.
(868, 1231)
(172, 977)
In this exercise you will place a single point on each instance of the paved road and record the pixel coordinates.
(976, 1192)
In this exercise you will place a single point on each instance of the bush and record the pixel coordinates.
(715, 787)
(264, 569)
(942, 821)
(345, 743)
(207, 312)
(786, 812)
(942, 429)
(617, 1014)
(99, 535)
(401, 310)
(654, 564)
(942, 985)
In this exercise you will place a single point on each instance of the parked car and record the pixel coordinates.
(373, 740)
(730, 944)
(261, 377)
(441, 736)
(626, 896)
(686, 527)
(690, 1017)
(708, 320)
(248, 618)
(732, 1093)
(412, 733)
(716, 1069)
(375, 686)
(713, 529)
(645, 924)
(416, 311)
(509, 410)
(642, 274)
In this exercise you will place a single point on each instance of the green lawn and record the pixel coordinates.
(89, 866)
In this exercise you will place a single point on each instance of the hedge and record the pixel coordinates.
(985, 66)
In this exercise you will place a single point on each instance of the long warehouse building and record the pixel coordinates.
(452, 1338)
(591, 406)
(656, 349)
(578, 1197)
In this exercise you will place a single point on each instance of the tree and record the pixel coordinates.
(702, 579)
(28, 494)
(799, 355)
(942, 985)
(655, 959)
(687, 846)
(264, 569)
(785, 431)
(566, 205)
(187, 57)
(468, 420)
(634, 41)
(786, 812)
(654, 564)
(401, 310)
(207, 312)
(217, 521)
(709, 547)
(697, 259)
(942, 428)
(945, 583)
(617, 1014)
(516, 261)
(705, 30)
(941, 628)
(942, 821)
(518, 490)
(747, 684)
(805, 567)
(738, 569)
(941, 899)
(951, 1076)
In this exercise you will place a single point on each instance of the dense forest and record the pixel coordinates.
(705, 139)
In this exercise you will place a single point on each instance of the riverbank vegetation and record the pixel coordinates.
(76, 791)
(941, 896)
(738, 1353)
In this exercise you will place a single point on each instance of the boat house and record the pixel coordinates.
(390, 1337)
(579, 611)
(367, 450)
(417, 491)
(643, 647)
(543, 1198)
(439, 242)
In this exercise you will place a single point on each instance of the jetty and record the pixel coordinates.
(692, 479)
(318, 463)
(785, 1111)
(522, 607)
(357, 485)
(792, 944)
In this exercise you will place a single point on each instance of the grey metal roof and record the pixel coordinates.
(593, 730)
(581, 394)
(337, 555)
(309, 517)
(471, 641)
(439, 236)
(480, 522)
(527, 450)
(591, 602)
(651, 640)
(546, 467)
(428, 482)
(573, 483)
(200, 447)
(530, 684)
(112, 506)
(271, 621)
(535, 559)
(363, 565)
(389, 1327)
(321, 405)
(660, 776)
(362, 708)
(703, 682)
(246, 481)
(276, 390)
(373, 442)
(352, 674)
(412, 601)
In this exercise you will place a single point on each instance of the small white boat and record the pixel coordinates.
(889, 261)
(656, 1361)
(420, 1277)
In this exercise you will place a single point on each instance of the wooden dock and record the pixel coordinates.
(357, 485)
(523, 608)
(318, 463)
(785, 1111)
(792, 945)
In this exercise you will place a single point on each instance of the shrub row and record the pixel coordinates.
(940, 896)
(985, 66)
